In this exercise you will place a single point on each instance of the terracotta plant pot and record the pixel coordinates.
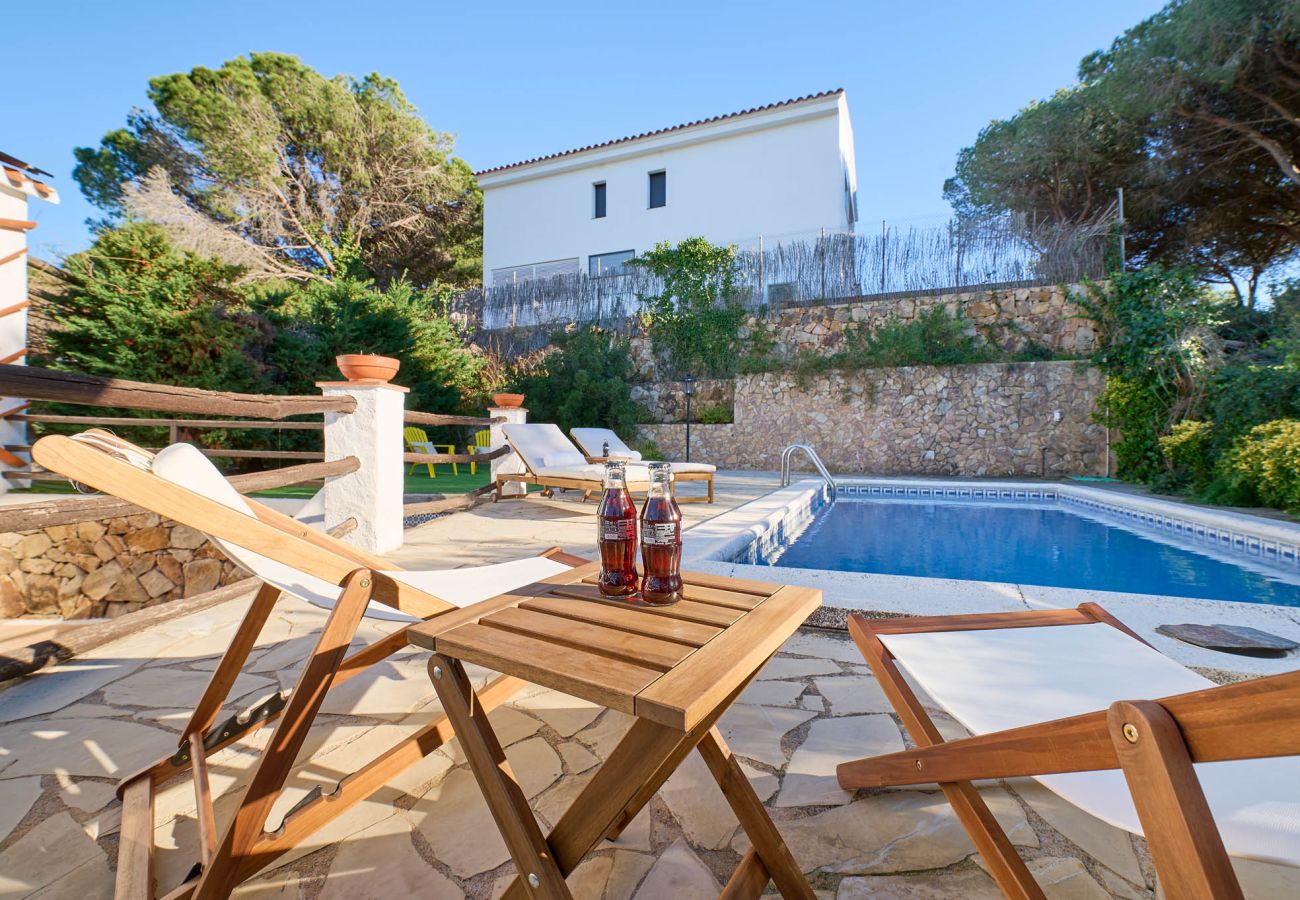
(367, 366)
(508, 401)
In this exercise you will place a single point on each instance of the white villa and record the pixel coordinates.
(782, 169)
(18, 187)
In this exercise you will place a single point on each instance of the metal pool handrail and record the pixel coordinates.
(812, 455)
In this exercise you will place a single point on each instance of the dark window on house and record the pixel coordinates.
(658, 189)
(598, 196)
(608, 263)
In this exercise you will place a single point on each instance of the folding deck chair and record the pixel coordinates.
(180, 483)
(1208, 771)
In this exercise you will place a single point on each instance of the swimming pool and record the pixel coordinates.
(1046, 543)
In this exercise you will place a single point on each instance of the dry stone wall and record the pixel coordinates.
(1013, 419)
(107, 568)
(1009, 317)
(1047, 315)
(665, 401)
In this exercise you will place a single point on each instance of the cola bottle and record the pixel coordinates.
(616, 534)
(661, 540)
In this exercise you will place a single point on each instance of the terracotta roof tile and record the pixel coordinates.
(637, 137)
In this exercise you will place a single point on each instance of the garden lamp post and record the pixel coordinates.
(689, 383)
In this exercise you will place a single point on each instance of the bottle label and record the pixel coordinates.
(616, 530)
(659, 534)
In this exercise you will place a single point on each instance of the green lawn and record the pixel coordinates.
(419, 483)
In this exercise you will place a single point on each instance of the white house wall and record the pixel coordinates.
(776, 173)
(13, 289)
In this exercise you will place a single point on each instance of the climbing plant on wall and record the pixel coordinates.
(695, 321)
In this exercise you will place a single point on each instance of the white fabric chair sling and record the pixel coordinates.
(184, 465)
(1000, 672)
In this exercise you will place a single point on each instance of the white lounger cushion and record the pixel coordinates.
(684, 468)
(184, 465)
(592, 441)
(544, 446)
(549, 454)
(1004, 678)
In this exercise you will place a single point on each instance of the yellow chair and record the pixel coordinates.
(482, 440)
(417, 441)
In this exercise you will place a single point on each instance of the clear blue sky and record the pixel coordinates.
(515, 80)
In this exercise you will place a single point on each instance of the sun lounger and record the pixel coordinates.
(287, 557)
(600, 444)
(1203, 771)
(551, 460)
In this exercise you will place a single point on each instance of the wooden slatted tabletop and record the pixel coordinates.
(670, 664)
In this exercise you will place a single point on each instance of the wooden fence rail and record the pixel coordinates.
(486, 456)
(67, 510)
(414, 417)
(167, 423)
(448, 504)
(35, 383)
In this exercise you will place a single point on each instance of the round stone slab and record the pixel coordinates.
(1239, 639)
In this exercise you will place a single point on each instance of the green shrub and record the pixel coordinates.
(137, 308)
(648, 448)
(933, 338)
(715, 414)
(1188, 452)
(1264, 465)
(584, 382)
(1242, 396)
(1141, 416)
(313, 324)
(695, 323)
(1157, 346)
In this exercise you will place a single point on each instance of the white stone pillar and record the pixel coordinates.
(509, 464)
(372, 433)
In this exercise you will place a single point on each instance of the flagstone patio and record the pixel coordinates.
(69, 732)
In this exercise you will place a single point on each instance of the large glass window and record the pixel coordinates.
(598, 200)
(658, 189)
(608, 263)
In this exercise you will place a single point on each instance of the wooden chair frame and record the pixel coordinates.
(706, 477)
(1154, 743)
(589, 486)
(230, 856)
(586, 485)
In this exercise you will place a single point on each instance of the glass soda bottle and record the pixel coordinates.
(616, 534)
(661, 540)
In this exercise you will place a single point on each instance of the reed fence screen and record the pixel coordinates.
(822, 267)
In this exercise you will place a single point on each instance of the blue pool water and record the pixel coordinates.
(1023, 543)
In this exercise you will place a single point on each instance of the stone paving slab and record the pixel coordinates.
(68, 733)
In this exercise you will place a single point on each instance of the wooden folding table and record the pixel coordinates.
(676, 669)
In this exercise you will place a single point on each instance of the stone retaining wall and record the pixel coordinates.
(666, 400)
(1009, 317)
(1001, 419)
(107, 568)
